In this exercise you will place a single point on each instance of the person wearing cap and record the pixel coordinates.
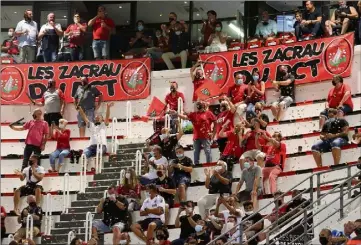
(85, 98)
(37, 135)
(33, 174)
(237, 95)
(53, 101)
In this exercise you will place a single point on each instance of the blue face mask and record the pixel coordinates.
(180, 155)
(140, 28)
(255, 78)
(246, 165)
(198, 228)
(239, 81)
(151, 153)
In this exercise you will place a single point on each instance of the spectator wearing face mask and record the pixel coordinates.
(197, 76)
(357, 229)
(166, 188)
(325, 237)
(310, 24)
(162, 235)
(214, 224)
(153, 209)
(218, 181)
(156, 159)
(225, 117)
(36, 138)
(209, 26)
(9, 47)
(171, 101)
(339, 97)
(201, 234)
(116, 216)
(232, 209)
(141, 41)
(341, 18)
(49, 35)
(168, 142)
(251, 224)
(217, 41)
(286, 86)
(130, 188)
(160, 46)
(255, 94)
(237, 95)
(170, 26)
(279, 210)
(181, 167)
(178, 46)
(260, 117)
(62, 137)
(266, 29)
(233, 233)
(75, 32)
(358, 180)
(36, 212)
(27, 33)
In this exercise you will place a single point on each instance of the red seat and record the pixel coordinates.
(272, 42)
(254, 44)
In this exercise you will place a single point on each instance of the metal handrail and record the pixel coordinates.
(128, 120)
(83, 169)
(138, 163)
(48, 214)
(180, 109)
(310, 179)
(114, 142)
(88, 226)
(66, 196)
(71, 236)
(29, 227)
(167, 121)
(99, 156)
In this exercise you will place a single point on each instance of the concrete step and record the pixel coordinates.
(132, 145)
(82, 209)
(78, 216)
(84, 203)
(112, 170)
(96, 189)
(63, 231)
(90, 196)
(107, 176)
(103, 183)
(63, 239)
(124, 164)
(70, 224)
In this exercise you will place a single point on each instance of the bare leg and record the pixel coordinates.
(94, 233)
(137, 229)
(38, 196)
(336, 154)
(318, 158)
(345, 25)
(116, 235)
(150, 232)
(82, 132)
(274, 110)
(166, 214)
(280, 112)
(16, 201)
(182, 193)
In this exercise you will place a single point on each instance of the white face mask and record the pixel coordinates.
(178, 33)
(163, 136)
(123, 242)
(10, 33)
(248, 212)
(127, 175)
(112, 195)
(230, 225)
(190, 209)
(61, 126)
(218, 168)
(147, 195)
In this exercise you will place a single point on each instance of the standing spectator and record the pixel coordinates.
(310, 24)
(116, 216)
(237, 94)
(153, 209)
(287, 87)
(218, 181)
(102, 29)
(217, 41)
(76, 34)
(334, 135)
(34, 210)
(49, 35)
(339, 97)
(209, 26)
(152, 164)
(130, 188)
(178, 42)
(256, 94)
(85, 98)
(251, 226)
(37, 136)
(341, 18)
(266, 29)
(167, 29)
(168, 142)
(53, 101)
(141, 41)
(3, 228)
(171, 101)
(226, 115)
(325, 237)
(10, 48)
(202, 121)
(27, 33)
(182, 168)
(62, 137)
(197, 76)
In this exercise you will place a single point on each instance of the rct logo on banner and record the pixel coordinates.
(12, 83)
(135, 78)
(338, 56)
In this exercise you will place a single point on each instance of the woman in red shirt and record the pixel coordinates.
(256, 93)
(130, 188)
(226, 115)
(62, 136)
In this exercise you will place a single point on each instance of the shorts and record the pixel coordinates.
(244, 195)
(27, 189)
(181, 179)
(284, 101)
(345, 109)
(99, 224)
(21, 233)
(145, 223)
(100, 48)
(254, 154)
(52, 117)
(327, 145)
(90, 114)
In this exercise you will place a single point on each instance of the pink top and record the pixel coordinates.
(37, 130)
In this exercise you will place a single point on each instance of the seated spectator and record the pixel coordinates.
(152, 164)
(3, 228)
(232, 208)
(130, 188)
(209, 26)
(178, 43)
(227, 110)
(334, 135)
(141, 41)
(260, 117)
(153, 209)
(36, 212)
(166, 188)
(358, 180)
(49, 35)
(217, 41)
(275, 151)
(214, 224)
(76, 35)
(341, 18)
(357, 229)
(280, 208)
(76, 241)
(33, 174)
(356, 137)
(168, 141)
(252, 176)
(298, 203)
(62, 137)
(310, 24)
(339, 97)
(286, 86)
(218, 181)
(160, 46)
(237, 95)
(182, 222)
(298, 20)
(233, 232)
(162, 236)
(171, 101)
(10, 48)
(266, 29)
(341, 237)
(325, 237)
(181, 167)
(116, 216)
(255, 94)
(251, 224)
(197, 76)
(201, 234)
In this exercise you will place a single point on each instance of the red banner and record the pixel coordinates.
(309, 61)
(116, 79)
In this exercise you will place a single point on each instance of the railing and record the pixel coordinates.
(128, 120)
(71, 236)
(121, 177)
(138, 163)
(83, 169)
(99, 156)
(105, 194)
(114, 142)
(66, 195)
(275, 226)
(88, 226)
(29, 227)
(48, 214)
(180, 109)
(10, 237)
(167, 121)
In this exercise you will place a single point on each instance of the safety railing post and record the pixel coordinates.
(99, 157)
(66, 195)
(71, 236)
(48, 214)
(88, 226)
(318, 192)
(311, 188)
(29, 227)
(128, 120)
(114, 135)
(305, 227)
(83, 161)
(105, 194)
(167, 121)
(138, 163)
(180, 109)
(341, 202)
(122, 176)
(349, 183)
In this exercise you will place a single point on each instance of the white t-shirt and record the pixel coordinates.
(156, 202)
(30, 38)
(31, 178)
(98, 132)
(47, 26)
(152, 174)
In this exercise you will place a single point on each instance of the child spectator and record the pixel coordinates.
(62, 137)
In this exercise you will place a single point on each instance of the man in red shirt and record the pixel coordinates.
(197, 76)
(9, 48)
(209, 26)
(171, 100)
(75, 32)
(202, 121)
(339, 97)
(102, 28)
(237, 94)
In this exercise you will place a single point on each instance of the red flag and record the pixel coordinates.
(156, 108)
(208, 90)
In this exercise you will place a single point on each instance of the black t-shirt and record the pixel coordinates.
(334, 126)
(32, 210)
(302, 203)
(113, 214)
(312, 16)
(168, 147)
(166, 183)
(186, 228)
(203, 239)
(265, 118)
(288, 90)
(215, 185)
(186, 162)
(255, 218)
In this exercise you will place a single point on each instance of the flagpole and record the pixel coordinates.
(202, 68)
